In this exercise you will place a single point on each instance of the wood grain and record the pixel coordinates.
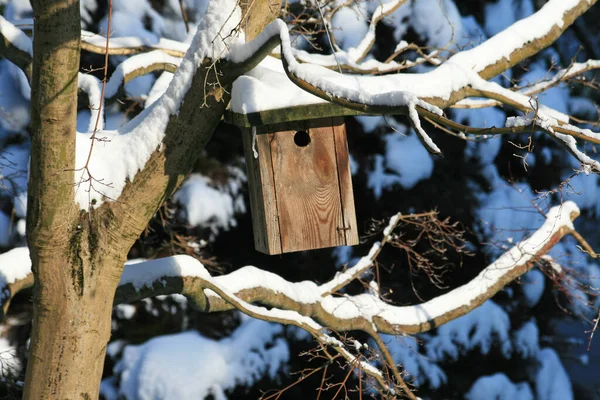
(263, 206)
(301, 196)
(345, 181)
(306, 186)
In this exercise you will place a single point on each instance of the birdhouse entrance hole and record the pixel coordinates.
(302, 138)
(300, 185)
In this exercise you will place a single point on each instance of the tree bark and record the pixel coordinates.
(72, 322)
(76, 267)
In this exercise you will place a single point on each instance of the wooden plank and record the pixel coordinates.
(297, 113)
(261, 189)
(345, 181)
(306, 186)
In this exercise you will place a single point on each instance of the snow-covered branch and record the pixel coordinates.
(186, 275)
(365, 311)
(559, 77)
(461, 76)
(138, 65)
(313, 307)
(124, 46)
(16, 46)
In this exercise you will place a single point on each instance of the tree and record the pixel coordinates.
(79, 240)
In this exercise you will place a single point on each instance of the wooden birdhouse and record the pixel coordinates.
(300, 185)
(298, 164)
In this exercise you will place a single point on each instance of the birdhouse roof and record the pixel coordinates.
(266, 96)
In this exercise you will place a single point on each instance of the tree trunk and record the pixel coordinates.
(72, 325)
(76, 266)
(75, 284)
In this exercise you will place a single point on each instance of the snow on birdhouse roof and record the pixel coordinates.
(265, 95)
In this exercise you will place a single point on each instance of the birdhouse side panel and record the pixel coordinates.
(263, 204)
(345, 182)
(309, 203)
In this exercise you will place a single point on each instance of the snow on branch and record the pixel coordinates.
(124, 46)
(359, 312)
(352, 59)
(138, 65)
(310, 306)
(15, 275)
(464, 74)
(559, 77)
(524, 38)
(125, 152)
(92, 86)
(358, 53)
(16, 46)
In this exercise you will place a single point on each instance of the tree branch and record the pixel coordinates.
(312, 307)
(185, 275)
(125, 46)
(16, 46)
(360, 312)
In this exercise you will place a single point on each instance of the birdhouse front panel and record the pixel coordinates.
(300, 186)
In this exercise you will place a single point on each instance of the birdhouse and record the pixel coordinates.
(300, 185)
(298, 164)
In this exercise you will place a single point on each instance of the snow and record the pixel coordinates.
(482, 151)
(360, 89)
(144, 274)
(480, 328)
(15, 36)
(113, 119)
(15, 264)
(14, 107)
(552, 381)
(533, 284)
(501, 14)
(499, 387)
(136, 62)
(420, 369)
(379, 179)
(582, 107)
(515, 36)
(151, 41)
(204, 205)
(370, 123)
(351, 273)
(505, 211)
(10, 365)
(125, 311)
(159, 88)
(406, 156)
(251, 277)
(262, 89)
(121, 154)
(526, 339)
(349, 26)
(190, 366)
(405, 89)
(369, 306)
(268, 87)
(93, 88)
(5, 230)
(439, 22)
(485, 322)
(406, 162)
